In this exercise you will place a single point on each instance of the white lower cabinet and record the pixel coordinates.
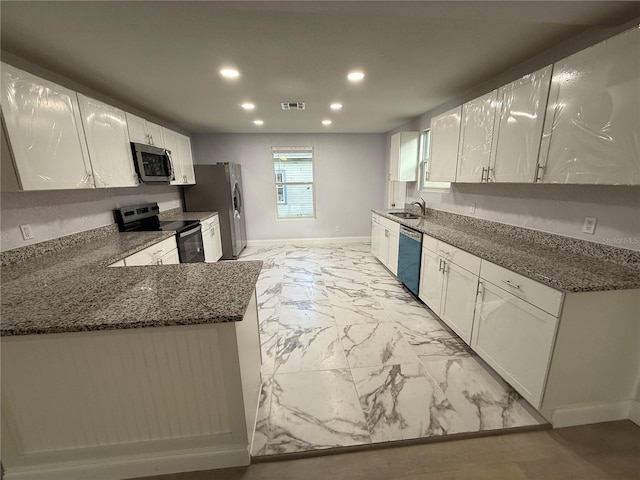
(375, 240)
(446, 287)
(162, 253)
(385, 241)
(211, 239)
(515, 338)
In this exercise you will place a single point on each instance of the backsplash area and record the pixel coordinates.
(556, 209)
(55, 214)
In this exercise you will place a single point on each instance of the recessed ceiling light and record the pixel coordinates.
(229, 73)
(355, 76)
(335, 106)
(248, 106)
(258, 122)
(326, 122)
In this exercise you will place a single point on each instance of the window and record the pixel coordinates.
(423, 170)
(293, 175)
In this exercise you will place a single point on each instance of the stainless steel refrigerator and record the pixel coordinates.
(219, 188)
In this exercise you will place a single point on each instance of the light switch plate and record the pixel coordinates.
(27, 232)
(589, 225)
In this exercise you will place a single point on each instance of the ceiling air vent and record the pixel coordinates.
(292, 105)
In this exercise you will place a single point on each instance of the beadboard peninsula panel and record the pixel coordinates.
(66, 392)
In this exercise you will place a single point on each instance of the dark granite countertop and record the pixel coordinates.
(564, 270)
(73, 290)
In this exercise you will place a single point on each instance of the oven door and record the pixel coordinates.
(190, 247)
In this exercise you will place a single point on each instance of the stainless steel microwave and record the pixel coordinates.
(152, 164)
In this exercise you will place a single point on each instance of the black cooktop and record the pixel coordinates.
(144, 218)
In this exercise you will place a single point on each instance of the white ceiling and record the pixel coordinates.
(163, 57)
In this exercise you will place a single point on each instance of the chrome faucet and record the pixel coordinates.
(422, 205)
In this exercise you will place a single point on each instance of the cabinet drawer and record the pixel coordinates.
(543, 297)
(209, 223)
(452, 254)
(151, 255)
(375, 218)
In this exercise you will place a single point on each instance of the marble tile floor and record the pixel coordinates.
(351, 358)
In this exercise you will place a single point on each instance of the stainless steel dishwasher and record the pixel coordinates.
(409, 254)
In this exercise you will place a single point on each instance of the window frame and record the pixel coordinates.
(283, 184)
(423, 166)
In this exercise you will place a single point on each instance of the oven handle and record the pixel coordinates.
(190, 232)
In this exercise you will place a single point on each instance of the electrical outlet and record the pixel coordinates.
(337, 228)
(589, 225)
(27, 232)
(472, 208)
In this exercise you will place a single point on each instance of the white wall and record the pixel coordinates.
(349, 180)
(558, 209)
(54, 214)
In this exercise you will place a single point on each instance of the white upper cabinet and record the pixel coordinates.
(443, 154)
(171, 143)
(142, 131)
(105, 129)
(593, 118)
(188, 176)
(45, 132)
(180, 147)
(476, 138)
(518, 132)
(403, 157)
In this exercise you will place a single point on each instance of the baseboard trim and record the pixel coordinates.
(139, 466)
(593, 413)
(307, 241)
(634, 412)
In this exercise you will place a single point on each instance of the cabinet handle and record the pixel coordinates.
(511, 284)
(440, 266)
(489, 174)
(480, 290)
(484, 169)
(537, 177)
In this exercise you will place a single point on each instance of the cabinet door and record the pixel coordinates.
(207, 244)
(593, 119)
(8, 176)
(431, 280)
(443, 153)
(44, 127)
(171, 143)
(394, 157)
(105, 128)
(186, 160)
(155, 134)
(392, 256)
(383, 245)
(217, 242)
(137, 129)
(170, 258)
(459, 300)
(515, 338)
(519, 127)
(375, 238)
(476, 137)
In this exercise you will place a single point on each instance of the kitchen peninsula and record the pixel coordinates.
(123, 372)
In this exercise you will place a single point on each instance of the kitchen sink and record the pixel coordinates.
(405, 215)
